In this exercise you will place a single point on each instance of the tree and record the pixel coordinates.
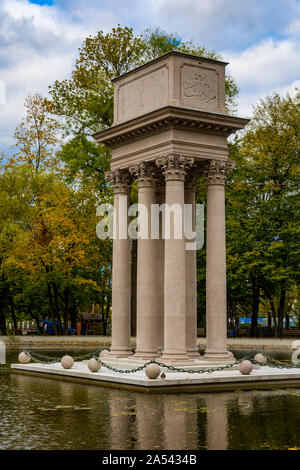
(49, 252)
(263, 203)
(85, 100)
(37, 135)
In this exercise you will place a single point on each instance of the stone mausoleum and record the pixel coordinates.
(170, 128)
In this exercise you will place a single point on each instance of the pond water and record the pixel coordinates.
(37, 413)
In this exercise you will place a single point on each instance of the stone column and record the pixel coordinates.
(160, 199)
(174, 168)
(120, 337)
(216, 304)
(147, 267)
(191, 272)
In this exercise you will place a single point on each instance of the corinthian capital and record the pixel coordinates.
(145, 173)
(120, 180)
(215, 171)
(174, 166)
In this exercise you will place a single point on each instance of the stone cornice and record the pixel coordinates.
(170, 117)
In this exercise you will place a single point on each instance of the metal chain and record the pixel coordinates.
(274, 363)
(43, 359)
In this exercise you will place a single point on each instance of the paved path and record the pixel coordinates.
(257, 343)
(97, 342)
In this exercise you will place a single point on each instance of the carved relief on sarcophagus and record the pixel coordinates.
(199, 88)
(143, 94)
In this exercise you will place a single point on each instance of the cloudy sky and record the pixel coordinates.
(39, 40)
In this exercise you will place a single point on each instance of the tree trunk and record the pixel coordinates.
(273, 310)
(52, 312)
(106, 319)
(269, 324)
(66, 311)
(287, 321)
(59, 325)
(73, 317)
(102, 305)
(2, 323)
(13, 316)
(255, 309)
(281, 311)
(133, 286)
(274, 317)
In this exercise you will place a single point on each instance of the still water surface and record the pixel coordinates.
(38, 413)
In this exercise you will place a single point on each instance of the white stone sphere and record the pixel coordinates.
(245, 367)
(104, 353)
(67, 362)
(260, 358)
(152, 371)
(23, 358)
(93, 365)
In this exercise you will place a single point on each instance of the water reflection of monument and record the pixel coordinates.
(169, 421)
(128, 420)
(217, 421)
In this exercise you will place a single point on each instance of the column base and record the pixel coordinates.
(146, 355)
(215, 355)
(193, 353)
(116, 352)
(175, 356)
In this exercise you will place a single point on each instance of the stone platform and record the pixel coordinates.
(176, 382)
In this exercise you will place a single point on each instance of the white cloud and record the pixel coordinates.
(267, 67)
(226, 23)
(266, 64)
(38, 44)
(294, 26)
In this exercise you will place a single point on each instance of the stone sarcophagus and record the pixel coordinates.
(174, 104)
(173, 80)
